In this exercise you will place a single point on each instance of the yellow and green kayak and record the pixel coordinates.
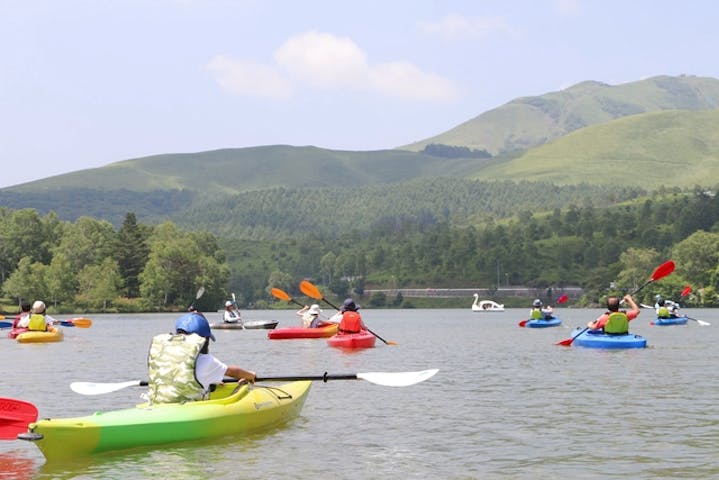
(232, 409)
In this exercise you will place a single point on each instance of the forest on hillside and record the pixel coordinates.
(92, 265)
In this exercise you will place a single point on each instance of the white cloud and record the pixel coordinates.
(455, 26)
(241, 77)
(568, 7)
(323, 60)
(404, 80)
(328, 62)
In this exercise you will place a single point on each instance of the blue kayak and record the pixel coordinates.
(542, 323)
(670, 321)
(598, 339)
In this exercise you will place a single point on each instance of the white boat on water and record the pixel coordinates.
(486, 305)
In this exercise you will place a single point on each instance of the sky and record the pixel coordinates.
(86, 83)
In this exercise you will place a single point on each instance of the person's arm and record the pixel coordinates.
(236, 372)
(634, 312)
(599, 322)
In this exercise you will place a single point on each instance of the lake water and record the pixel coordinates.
(506, 403)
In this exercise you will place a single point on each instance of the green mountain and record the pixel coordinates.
(669, 148)
(588, 143)
(531, 121)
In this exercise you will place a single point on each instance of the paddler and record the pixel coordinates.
(180, 366)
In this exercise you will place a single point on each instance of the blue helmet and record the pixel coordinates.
(194, 323)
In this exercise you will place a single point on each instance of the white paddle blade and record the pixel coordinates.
(705, 324)
(397, 379)
(91, 388)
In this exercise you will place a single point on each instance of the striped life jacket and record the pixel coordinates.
(171, 369)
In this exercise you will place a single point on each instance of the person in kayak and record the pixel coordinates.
(39, 320)
(615, 321)
(539, 312)
(180, 366)
(666, 308)
(231, 315)
(310, 316)
(22, 318)
(351, 321)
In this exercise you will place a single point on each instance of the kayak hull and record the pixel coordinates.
(670, 321)
(363, 339)
(288, 333)
(228, 412)
(253, 325)
(53, 334)
(542, 323)
(592, 339)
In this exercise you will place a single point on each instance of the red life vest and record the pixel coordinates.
(351, 322)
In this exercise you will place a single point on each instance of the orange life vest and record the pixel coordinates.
(351, 322)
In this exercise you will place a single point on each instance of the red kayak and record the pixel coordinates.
(363, 339)
(16, 331)
(287, 333)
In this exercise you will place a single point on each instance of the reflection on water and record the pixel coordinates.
(507, 402)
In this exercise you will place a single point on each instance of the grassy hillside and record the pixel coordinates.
(672, 148)
(235, 170)
(531, 121)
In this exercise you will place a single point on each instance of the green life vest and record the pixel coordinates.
(37, 322)
(171, 369)
(663, 312)
(618, 322)
(536, 314)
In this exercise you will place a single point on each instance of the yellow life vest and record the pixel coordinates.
(536, 314)
(37, 322)
(171, 369)
(618, 322)
(663, 312)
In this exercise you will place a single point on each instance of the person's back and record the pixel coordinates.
(663, 311)
(351, 321)
(617, 323)
(171, 368)
(38, 321)
(23, 318)
(180, 365)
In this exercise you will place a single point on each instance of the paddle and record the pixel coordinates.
(311, 291)
(561, 299)
(75, 322)
(200, 292)
(15, 416)
(234, 303)
(386, 379)
(660, 272)
(282, 295)
(700, 322)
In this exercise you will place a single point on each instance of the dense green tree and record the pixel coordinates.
(697, 256)
(86, 242)
(100, 284)
(60, 279)
(27, 282)
(131, 253)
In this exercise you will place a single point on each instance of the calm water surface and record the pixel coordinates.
(507, 402)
